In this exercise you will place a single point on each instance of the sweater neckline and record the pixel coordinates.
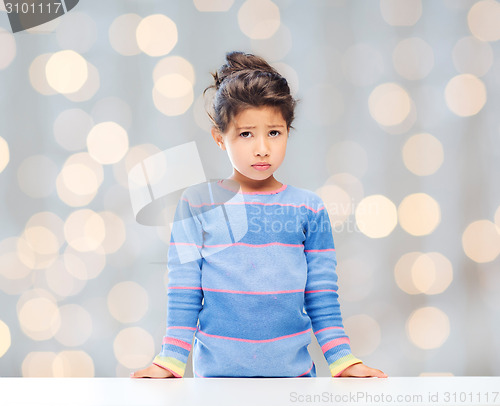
(270, 192)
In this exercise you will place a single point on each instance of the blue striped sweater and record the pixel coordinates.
(249, 275)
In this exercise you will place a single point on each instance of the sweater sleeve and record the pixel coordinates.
(184, 289)
(321, 298)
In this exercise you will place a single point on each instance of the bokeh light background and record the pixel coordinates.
(397, 130)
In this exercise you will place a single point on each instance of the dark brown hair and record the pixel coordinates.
(245, 81)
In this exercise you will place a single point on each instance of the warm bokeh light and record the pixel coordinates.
(61, 282)
(362, 64)
(423, 154)
(66, 71)
(259, 19)
(39, 318)
(128, 302)
(80, 174)
(430, 273)
(5, 338)
(134, 347)
(122, 34)
(32, 259)
(76, 325)
(8, 47)
(413, 58)
(76, 31)
(41, 240)
(389, 104)
(401, 12)
(419, 214)
(107, 143)
(38, 364)
(115, 232)
(364, 334)
(481, 241)
(483, 20)
(347, 157)
(11, 266)
(213, 5)
(349, 183)
(376, 216)
(173, 94)
(37, 176)
(465, 95)
(84, 265)
(156, 35)
(471, 55)
(74, 364)
(89, 88)
(84, 230)
(428, 328)
(71, 128)
(4, 154)
(174, 65)
(338, 203)
(38, 78)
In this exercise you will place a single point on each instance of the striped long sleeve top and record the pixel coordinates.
(249, 276)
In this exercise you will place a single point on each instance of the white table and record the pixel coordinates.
(254, 392)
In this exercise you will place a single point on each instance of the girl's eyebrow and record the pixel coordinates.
(269, 125)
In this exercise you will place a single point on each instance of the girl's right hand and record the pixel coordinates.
(153, 371)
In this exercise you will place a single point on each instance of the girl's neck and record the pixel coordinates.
(237, 184)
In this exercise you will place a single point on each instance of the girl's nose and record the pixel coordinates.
(262, 146)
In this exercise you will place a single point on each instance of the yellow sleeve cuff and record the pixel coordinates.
(343, 363)
(172, 364)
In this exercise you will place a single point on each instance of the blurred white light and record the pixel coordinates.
(74, 364)
(483, 20)
(5, 339)
(419, 214)
(156, 35)
(8, 47)
(66, 71)
(401, 12)
(259, 19)
(84, 230)
(89, 88)
(481, 241)
(122, 308)
(134, 347)
(376, 216)
(413, 58)
(122, 34)
(389, 104)
(107, 142)
(465, 95)
(423, 154)
(4, 154)
(428, 327)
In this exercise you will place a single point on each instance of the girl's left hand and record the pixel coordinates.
(362, 371)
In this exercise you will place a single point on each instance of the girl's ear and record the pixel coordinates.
(217, 136)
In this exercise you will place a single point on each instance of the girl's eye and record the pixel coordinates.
(276, 132)
(244, 133)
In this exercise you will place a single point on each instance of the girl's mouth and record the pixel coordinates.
(261, 167)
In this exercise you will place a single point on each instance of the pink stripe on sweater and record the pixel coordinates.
(305, 373)
(320, 290)
(178, 343)
(334, 343)
(328, 328)
(184, 287)
(181, 328)
(255, 245)
(254, 341)
(253, 293)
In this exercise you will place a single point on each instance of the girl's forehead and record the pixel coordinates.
(267, 115)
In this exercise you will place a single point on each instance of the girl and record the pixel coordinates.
(251, 260)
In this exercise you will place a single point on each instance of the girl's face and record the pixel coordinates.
(257, 136)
